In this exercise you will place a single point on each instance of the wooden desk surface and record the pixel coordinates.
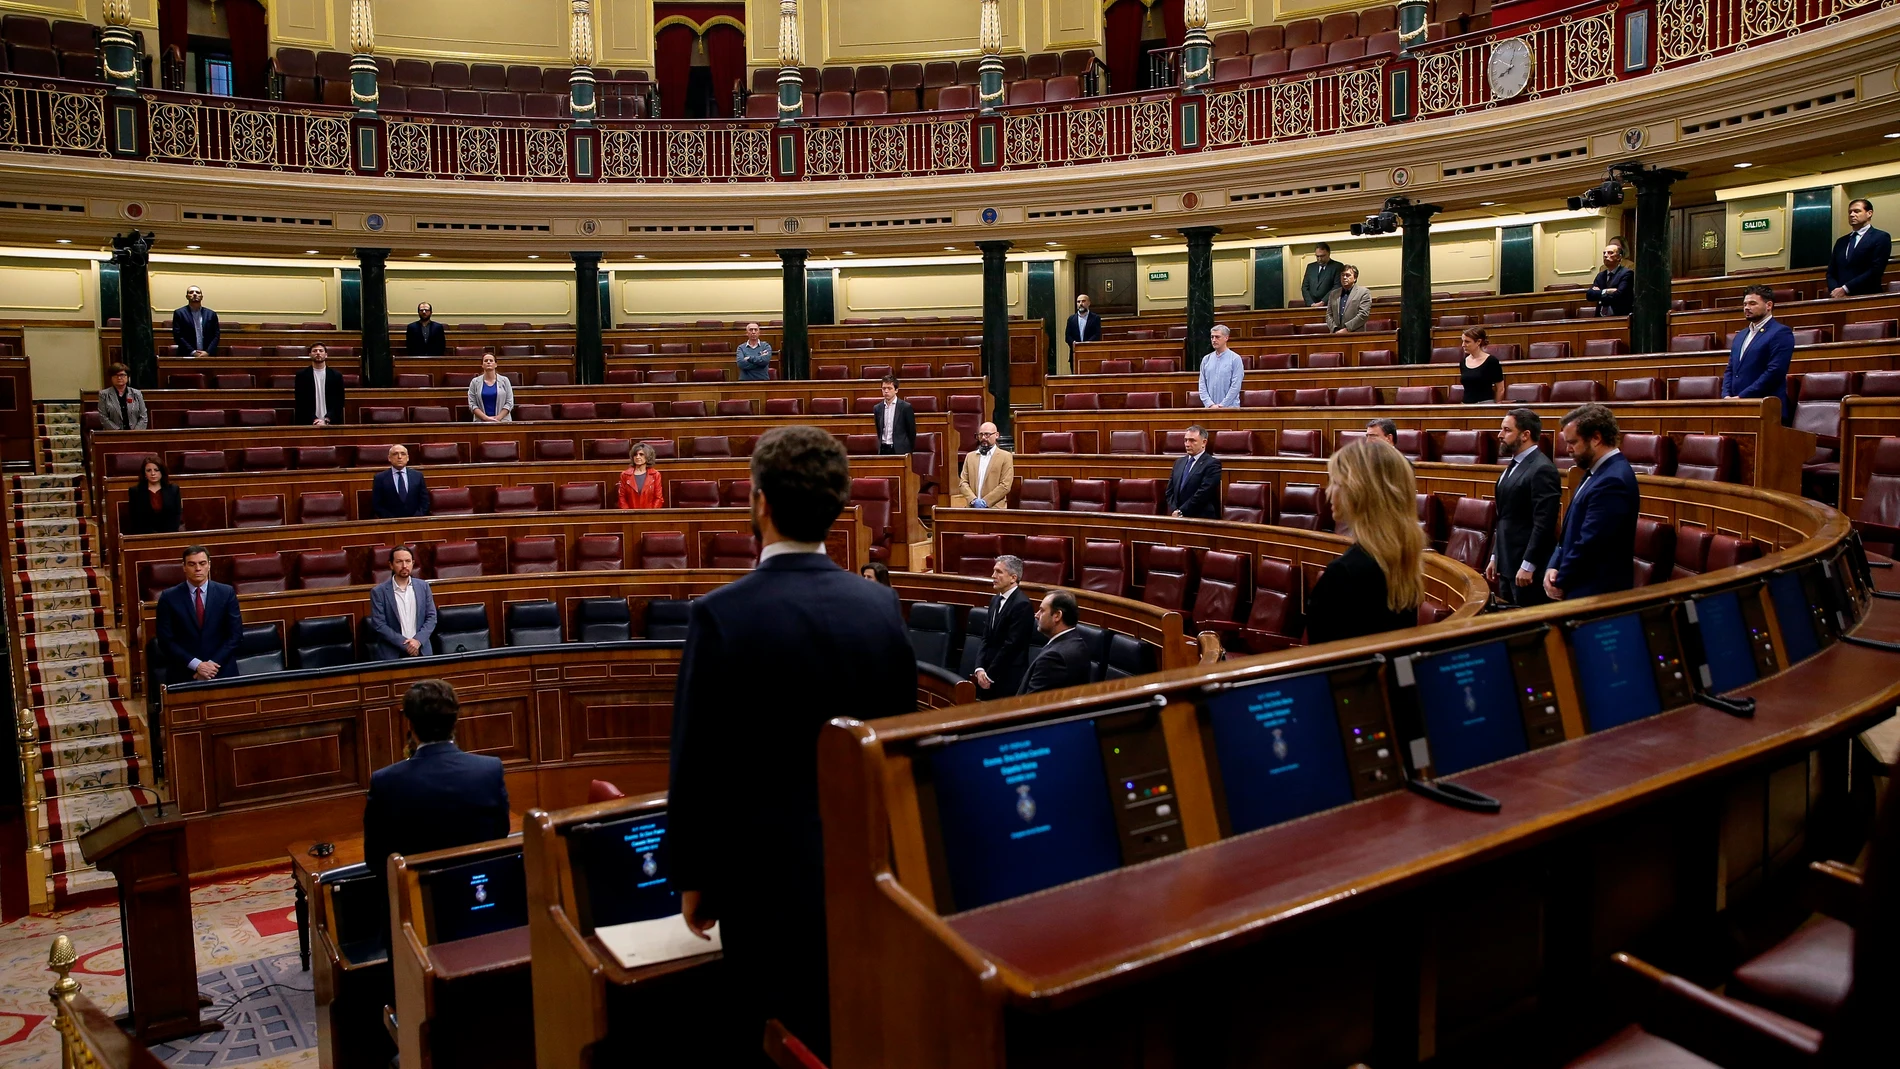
(461, 959)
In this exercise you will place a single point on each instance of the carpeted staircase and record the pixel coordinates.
(83, 738)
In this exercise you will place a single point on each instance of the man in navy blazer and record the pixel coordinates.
(399, 490)
(1758, 357)
(401, 610)
(198, 624)
(195, 329)
(1194, 485)
(1084, 325)
(425, 337)
(1860, 256)
(1596, 551)
(440, 796)
(769, 660)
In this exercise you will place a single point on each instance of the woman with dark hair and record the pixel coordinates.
(876, 572)
(1479, 371)
(640, 484)
(152, 504)
(121, 408)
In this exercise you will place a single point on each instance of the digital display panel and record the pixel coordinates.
(1280, 751)
(626, 874)
(1615, 671)
(1726, 649)
(1468, 699)
(1794, 614)
(1023, 810)
(477, 898)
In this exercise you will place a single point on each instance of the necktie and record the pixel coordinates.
(198, 595)
(1855, 244)
(402, 483)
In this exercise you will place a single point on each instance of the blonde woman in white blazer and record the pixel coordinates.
(489, 386)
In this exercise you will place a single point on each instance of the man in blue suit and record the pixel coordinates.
(1860, 256)
(198, 624)
(401, 610)
(1597, 550)
(1194, 484)
(399, 491)
(1758, 357)
(769, 660)
(438, 798)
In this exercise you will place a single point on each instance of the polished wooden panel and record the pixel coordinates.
(17, 427)
(1864, 422)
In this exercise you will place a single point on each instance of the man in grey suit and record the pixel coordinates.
(1348, 306)
(1321, 275)
(401, 610)
(1527, 497)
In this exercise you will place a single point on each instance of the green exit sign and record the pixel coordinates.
(1157, 276)
(1751, 225)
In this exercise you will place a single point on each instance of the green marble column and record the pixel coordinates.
(379, 366)
(1412, 24)
(590, 360)
(1649, 314)
(1200, 292)
(1415, 283)
(794, 351)
(132, 252)
(996, 330)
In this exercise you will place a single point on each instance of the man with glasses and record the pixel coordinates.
(988, 473)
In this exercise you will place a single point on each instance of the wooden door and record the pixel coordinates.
(1698, 247)
(1110, 283)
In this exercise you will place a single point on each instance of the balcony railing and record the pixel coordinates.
(1580, 48)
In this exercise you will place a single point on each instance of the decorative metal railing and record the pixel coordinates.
(1590, 45)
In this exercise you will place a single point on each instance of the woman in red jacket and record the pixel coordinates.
(640, 483)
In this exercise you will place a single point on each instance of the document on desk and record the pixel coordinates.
(653, 942)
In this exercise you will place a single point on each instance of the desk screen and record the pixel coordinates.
(1023, 810)
(1468, 698)
(1280, 752)
(622, 871)
(477, 898)
(1615, 671)
(1794, 614)
(1726, 649)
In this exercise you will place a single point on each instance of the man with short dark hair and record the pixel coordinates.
(755, 356)
(1064, 662)
(895, 421)
(1860, 256)
(1005, 656)
(1597, 550)
(1383, 430)
(1321, 276)
(198, 623)
(195, 328)
(426, 337)
(440, 796)
(1348, 306)
(401, 610)
(1528, 495)
(1194, 485)
(743, 805)
(1759, 356)
(399, 491)
(319, 391)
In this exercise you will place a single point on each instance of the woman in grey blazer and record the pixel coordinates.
(1348, 306)
(490, 397)
(121, 408)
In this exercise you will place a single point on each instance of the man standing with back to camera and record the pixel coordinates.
(769, 660)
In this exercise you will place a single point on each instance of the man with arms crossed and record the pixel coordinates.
(755, 356)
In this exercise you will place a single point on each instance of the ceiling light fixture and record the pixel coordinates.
(191, 246)
(534, 256)
(424, 255)
(1892, 136)
(1486, 203)
(310, 252)
(64, 241)
(1743, 166)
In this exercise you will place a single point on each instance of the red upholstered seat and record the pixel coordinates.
(711, 445)
(1576, 392)
(873, 498)
(1078, 402)
(257, 510)
(1377, 358)
(695, 493)
(1873, 330)
(1273, 622)
(1247, 502)
(1416, 395)
(196, 461)
(1056, 442)
(1468, 447)
(1049, 495)
(1650, 454)
(264, 458)
(1104, 566)
(451, 501)
(1711, 457)
(1655, 550)
(1645, 389)
(1304, 505)
(1232, 443)
(1550, 350)
(1045, 560)
(438, 453)
(1141, 497)
(534, 554)
(1255, 399)
(1312, 397)
(1728, 551)
(1526, 393)
(1171, 578)
(509, 499)
(497, 452)
(1431, 517)
(258, 573)
(662, 549)
(1472, 521)
(573, 497)
(1414, 445)
(323, 569)
(1692, 551)
(1132, 442)
(554, 449)
(1879, 514)
(730, 549)
(1605, 347)
(1222, 590)
(1150, 399)
(686, 409)
(1356, 396)
(1818, 410)
(1696, 388)
(1691, 343)
(1301, 442)
(598, 553)
(1091, 495)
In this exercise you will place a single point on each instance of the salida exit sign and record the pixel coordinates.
(1750, 225)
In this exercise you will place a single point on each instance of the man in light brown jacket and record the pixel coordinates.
(988, 473)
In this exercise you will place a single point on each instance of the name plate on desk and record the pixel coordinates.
(638, 944)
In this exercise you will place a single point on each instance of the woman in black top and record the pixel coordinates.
(152, 505)
(1376, 585)
(1482, 375)
(1615, 287)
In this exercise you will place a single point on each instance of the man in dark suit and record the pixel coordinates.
(1064, 662)
(1084, 325)
(194, 327)
(198, 624)
(999, 670)
(1194, 486)
(1321, 277)
(1860, 256)
(1758, 357)
(1528, 495)
(401, 610)
(441, 796)
(1597, 550)
(896, 422)
(425, 337)
(743, 806)
(319, 391)
(399, 490)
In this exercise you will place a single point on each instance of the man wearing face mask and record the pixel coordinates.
(1084, 325)
(770, 658)
(988, 473)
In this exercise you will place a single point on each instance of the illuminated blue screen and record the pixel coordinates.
(1023, 810)
(1615, 671)
(627, 870)
(1469, 700)
(1792, 612)
(478, 898)
(1725, 645)
(1280, 752)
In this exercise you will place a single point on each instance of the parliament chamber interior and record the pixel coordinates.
(443, 638)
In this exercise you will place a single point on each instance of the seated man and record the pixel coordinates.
(401, 610)
(440, 796)
(198, 624)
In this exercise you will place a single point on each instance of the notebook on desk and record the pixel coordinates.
(638, 944)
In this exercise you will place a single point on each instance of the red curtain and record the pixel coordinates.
(672, 63)
(174, 26)
(1174, 15)
(1123, 23)
(250, 46)
(725, 56)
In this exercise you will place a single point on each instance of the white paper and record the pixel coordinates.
(662, 939)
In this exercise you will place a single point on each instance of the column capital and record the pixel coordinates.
(133, 247)
(586, 258)
(996, 247)
(793, 256)
(1199, 233)
(366, 255)
(1412, 214)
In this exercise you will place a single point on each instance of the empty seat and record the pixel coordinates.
(1301, 442)
(263, 458)
(873, 498)
(1691, 343)
(1644, 389)
(257, 510)
(1137, 442)
(530, 555)
(1222, 590)
(1044, 494)
(258, 573)
(451, 501)
(1142, 497)
(932, 628)
(461, 628)
(1649, 454)
(1472, 521)
(1655, 551)
(260, 649)
(1868, 331)
(1692, 551)
(1171, 578)
(1233, 443)
(1696, 388)
(1061, 443)
(1468, 447)
(572, 497)
(1246, 502)
(1818, 410)
(516, 499)
(322, 569)
(1304, 505)
(695, 494)
(497, 452)
(1709, 457)
(1576, 392)
(1728, 551)
(1091, 495)
(1045, 560)
(598, 552)
(662, 549)
(729, 549)
(323, 642)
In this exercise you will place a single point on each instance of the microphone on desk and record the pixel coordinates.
(1737, 707)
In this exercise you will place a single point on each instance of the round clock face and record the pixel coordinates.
(1510, 68)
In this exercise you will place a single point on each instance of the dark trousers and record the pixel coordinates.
(886, 450)
(1522, 597)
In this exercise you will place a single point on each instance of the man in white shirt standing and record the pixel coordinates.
(319, 391)
(401, 610)
(988, 473)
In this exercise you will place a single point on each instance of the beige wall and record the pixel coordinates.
(1884, 192)
(144, 12)
(952, 289)
(491, 297)
(1461, 260)
(881, 31)
(1570, 251)
(246, 293)
(668, 296)
(1233, 280)
(65, 359)
(1754, 250)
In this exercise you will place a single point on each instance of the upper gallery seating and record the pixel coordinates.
(42, 49)
(940, 85)
(452, 87)
(1303, 44)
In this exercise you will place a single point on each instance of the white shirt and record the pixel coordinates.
(1606, 455)
(316, 379)
(1081, 323)
(1859, 232)
(786, 546)
(402, 480)
(885, 420)
(1754, 331)
(982, 469)
(406, 609)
